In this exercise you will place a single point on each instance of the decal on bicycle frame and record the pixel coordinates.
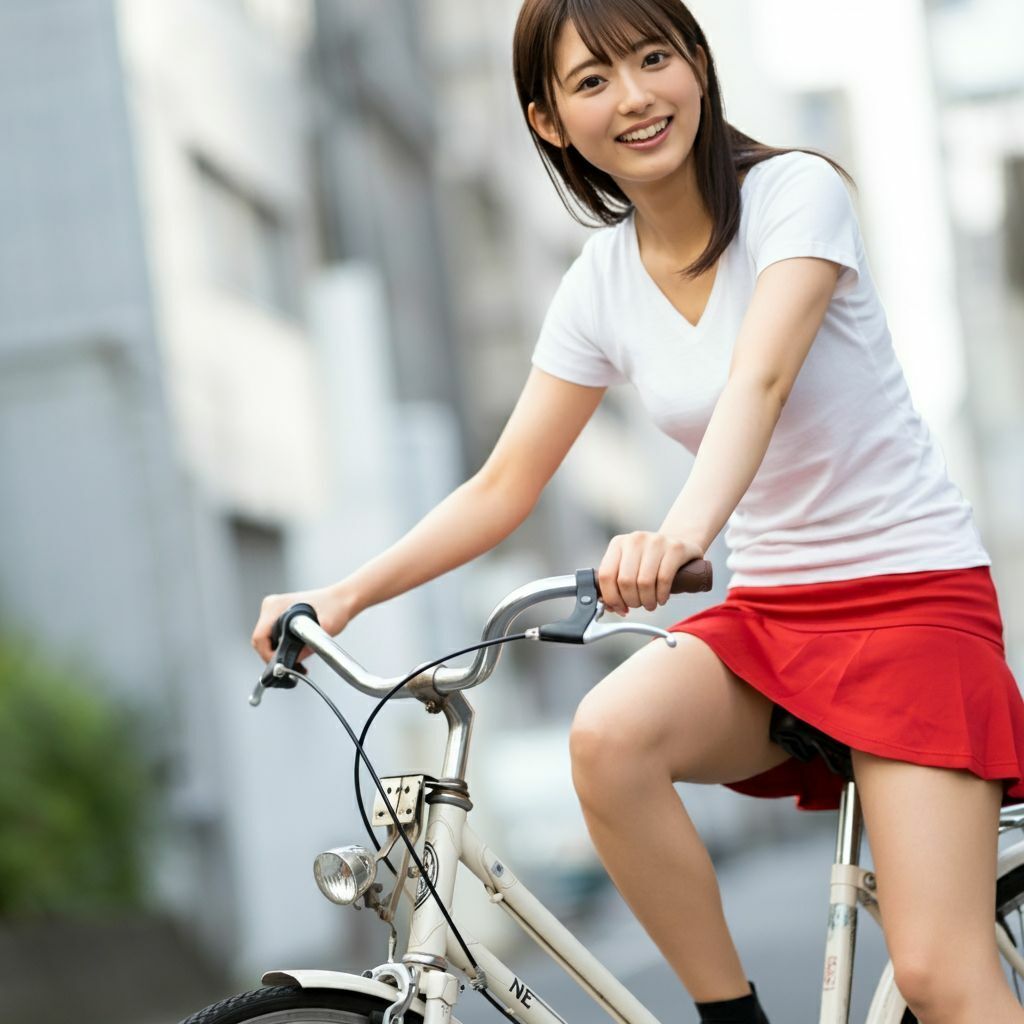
(430, 866)
(529, 999)
(521, 991)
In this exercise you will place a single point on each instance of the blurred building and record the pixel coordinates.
(166, 438)
(979, 85)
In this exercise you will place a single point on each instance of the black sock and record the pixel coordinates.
(744, 1010)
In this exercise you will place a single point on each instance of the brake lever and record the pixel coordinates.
(274, 670)
(595, 632)
(581, 626)
(286, 654)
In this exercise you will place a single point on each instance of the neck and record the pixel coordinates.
(671, 219)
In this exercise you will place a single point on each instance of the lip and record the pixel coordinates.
(643, 124)
(652, 142)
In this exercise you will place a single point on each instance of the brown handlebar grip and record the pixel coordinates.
(693, 577)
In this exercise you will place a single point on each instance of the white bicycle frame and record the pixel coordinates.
(450, 841)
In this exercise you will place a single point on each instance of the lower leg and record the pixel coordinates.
(669, 714)
(640, 820)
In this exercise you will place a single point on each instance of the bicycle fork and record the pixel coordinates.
(850, 885)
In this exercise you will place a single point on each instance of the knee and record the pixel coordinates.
(609, 751)
(914, 978)
(933, 986)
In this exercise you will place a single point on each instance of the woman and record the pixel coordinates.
(731, 288)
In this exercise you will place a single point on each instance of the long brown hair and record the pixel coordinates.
(721, 151)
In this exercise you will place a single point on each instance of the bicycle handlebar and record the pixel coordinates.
(298, 626)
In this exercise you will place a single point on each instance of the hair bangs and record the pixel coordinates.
(612, 27)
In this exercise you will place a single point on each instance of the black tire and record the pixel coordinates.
(1010, 916)
(286, 1004)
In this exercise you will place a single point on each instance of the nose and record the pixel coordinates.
(634, 95)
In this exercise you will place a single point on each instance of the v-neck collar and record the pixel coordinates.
(716, 286)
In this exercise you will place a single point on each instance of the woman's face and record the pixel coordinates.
(601, 103)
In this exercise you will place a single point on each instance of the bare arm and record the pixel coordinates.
(494, 502)
(474, 518)
(789, 303)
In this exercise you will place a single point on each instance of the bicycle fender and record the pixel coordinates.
(1011, 857)
(342, 982)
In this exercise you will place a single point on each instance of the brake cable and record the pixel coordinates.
(380, 704)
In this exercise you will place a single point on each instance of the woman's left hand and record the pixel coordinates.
(638, 569)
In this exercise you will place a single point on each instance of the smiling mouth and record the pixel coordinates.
(651, 132)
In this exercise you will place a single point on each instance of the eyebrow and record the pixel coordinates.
(596, 62)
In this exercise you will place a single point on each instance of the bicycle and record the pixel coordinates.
(421, 987)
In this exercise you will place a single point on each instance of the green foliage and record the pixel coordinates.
(74, 791)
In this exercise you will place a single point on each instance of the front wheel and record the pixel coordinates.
(287, 1004)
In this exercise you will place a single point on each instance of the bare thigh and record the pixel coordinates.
(685, 708)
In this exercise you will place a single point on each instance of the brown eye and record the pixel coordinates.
(657, 53)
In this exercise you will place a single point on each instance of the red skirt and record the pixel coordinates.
(908, 666)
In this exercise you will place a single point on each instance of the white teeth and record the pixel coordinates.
(646, 133)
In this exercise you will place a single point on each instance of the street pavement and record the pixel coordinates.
(776, 902)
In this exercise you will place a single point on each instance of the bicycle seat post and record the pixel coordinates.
(844, 891)
(850, 828)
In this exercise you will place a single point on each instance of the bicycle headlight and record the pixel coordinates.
(344, 873)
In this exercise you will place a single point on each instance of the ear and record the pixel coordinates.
(543, 124)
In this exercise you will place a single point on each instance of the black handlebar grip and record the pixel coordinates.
(286, 647)
(693, 578)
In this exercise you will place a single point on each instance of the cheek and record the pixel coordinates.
(587, 125)
(689, 98)
(694, 112)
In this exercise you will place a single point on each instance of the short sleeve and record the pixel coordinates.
(567, 345)
(804, 209)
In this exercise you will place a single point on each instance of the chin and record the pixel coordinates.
(665, 169)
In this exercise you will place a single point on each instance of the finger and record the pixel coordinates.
(607, 574)
(648, 574)
(261, 639)
(270, 609)
(668, 566)
(629, 569)
(666, 574)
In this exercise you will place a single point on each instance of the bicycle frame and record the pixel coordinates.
(453, 841)
(450, 841)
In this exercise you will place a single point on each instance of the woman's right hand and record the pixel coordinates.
(333, 606)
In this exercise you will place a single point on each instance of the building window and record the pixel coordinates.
(259, 564)
(248, 248)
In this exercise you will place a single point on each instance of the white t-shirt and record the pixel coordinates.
(852, 483)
